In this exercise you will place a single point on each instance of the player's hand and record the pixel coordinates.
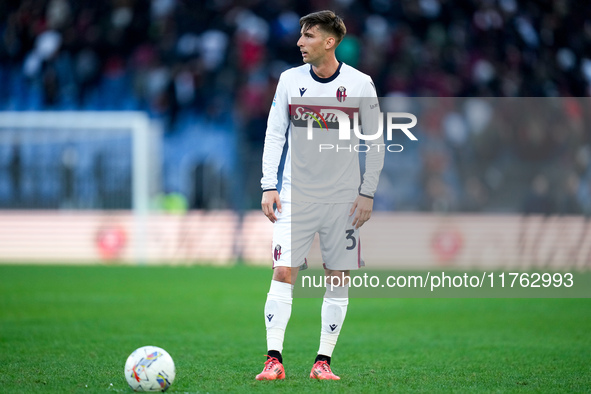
(270, 197)
(364, 207)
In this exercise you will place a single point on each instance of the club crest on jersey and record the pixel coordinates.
(341, 94)
(277, 253)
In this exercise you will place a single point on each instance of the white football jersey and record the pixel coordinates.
(313, 171)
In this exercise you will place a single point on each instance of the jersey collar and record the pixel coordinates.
(326, 80)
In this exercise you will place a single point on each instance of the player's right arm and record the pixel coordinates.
(277, 125)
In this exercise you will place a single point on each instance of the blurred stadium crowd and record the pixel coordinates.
(208, 70)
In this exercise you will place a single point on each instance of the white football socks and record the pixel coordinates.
(334, 309)
(277, 313)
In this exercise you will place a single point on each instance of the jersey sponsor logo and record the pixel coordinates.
(302, 91)
(341, 93)
(277, 253)
(347, 121)
(317, 116)
(320, 115)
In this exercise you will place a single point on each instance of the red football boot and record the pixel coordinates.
(273, 370)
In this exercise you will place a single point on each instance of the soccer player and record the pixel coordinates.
(327, 192)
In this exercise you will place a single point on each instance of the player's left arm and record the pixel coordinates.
(369, 111)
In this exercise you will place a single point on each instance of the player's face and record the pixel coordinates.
(312, 44)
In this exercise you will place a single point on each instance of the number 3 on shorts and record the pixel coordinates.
(351, 237)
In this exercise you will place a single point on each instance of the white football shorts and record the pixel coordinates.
(296, 226)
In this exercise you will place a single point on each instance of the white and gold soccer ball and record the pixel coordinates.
(149, 368)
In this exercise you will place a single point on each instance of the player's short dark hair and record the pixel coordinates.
(326, 21)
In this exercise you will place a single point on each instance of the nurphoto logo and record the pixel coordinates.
(345, 119)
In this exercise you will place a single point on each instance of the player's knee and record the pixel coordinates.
(337, 278)
(282, 274)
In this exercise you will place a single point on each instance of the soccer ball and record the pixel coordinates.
(149, 368)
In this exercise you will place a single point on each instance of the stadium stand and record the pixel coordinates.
(208, 71)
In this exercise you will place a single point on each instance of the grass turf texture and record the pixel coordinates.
(70, 329)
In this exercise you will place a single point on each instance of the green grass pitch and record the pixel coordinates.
(70, 329)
